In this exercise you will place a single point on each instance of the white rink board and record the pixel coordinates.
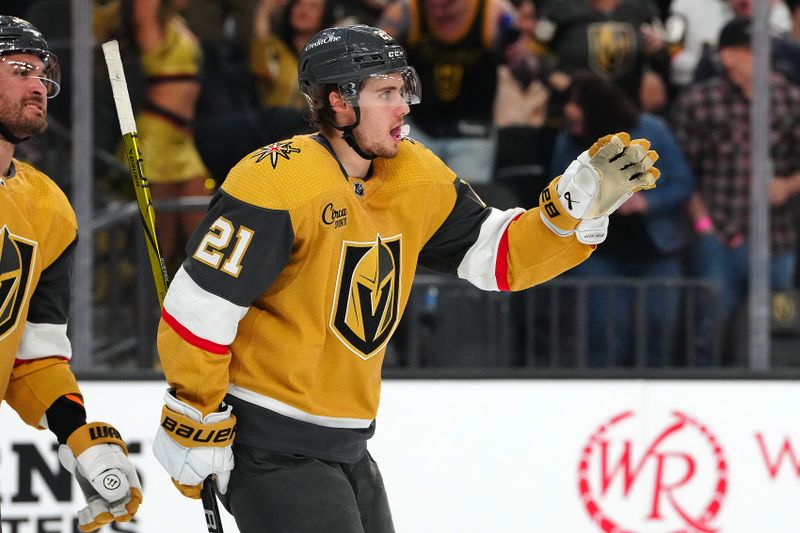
(501, 456)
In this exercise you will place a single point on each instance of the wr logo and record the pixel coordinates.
(675, 479)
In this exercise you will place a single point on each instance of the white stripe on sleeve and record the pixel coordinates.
(44, 340)
(206, 315)
(478, 265)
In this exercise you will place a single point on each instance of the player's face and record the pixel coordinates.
(23, 97)
(382, 110)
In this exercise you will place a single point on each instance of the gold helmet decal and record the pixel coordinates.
(366, 300)
(16, 260)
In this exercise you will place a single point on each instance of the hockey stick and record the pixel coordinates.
(127, 124)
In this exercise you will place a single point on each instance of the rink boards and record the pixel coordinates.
(495, 456)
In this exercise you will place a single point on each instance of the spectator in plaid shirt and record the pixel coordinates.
(712, 125)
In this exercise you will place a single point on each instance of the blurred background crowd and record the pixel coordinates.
(513, 90)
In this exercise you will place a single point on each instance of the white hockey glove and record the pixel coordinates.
(598, 182)
(97, 456)
(191, 447)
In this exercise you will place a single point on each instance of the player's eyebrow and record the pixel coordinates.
(388, 86)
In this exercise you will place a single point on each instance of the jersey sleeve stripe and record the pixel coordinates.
(203, 315)
(501, 266)
(44, 340)
(74, 398)
(18, 362)
(191, 338)
(480, 263)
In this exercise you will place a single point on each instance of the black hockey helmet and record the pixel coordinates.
(348, 55)
(344, 57)
(20, 36)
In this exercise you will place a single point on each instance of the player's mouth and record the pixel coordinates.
(34, 104)
(400, 132)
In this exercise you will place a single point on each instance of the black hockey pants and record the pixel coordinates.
(277, 493)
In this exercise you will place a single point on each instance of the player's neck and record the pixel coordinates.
(354, 164)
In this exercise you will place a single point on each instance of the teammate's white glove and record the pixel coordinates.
(97, 456)
(192, 447)
(598, 182)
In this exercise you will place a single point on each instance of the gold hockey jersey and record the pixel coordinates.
(298, 275)
(37, 235)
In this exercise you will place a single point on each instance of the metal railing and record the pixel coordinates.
(565, 323)
(561, 326)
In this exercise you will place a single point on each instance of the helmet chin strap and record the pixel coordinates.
(350, 138)
(9, 136)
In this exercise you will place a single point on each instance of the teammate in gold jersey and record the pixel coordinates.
(37, 240)
(274, 329)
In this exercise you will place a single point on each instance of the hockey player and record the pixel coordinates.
(37, 239)
(274, 329)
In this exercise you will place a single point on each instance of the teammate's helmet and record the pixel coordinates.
(20, 36)
(346, 56)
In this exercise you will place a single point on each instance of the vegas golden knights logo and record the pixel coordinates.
(612, 47)
(447, 81)
(16, 260)
(366, 300)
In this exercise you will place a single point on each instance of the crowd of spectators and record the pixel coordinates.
(513, 90)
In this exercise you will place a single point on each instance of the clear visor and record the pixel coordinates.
(47, 71)
(397, 88)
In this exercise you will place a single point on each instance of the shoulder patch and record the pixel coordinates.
(283, 175)
(275, 151)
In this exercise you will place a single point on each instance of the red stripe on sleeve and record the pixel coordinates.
(501, 266)
(18, 362)
(191, 338)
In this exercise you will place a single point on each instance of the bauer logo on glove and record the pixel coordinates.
(184, 429)
(191, 446)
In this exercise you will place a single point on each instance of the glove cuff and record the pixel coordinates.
(554, 217)
(191, 433)
(94, 433)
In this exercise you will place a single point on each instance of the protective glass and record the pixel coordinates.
(49, 72)
(396, 88)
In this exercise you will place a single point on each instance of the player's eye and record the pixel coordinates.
(21, 69)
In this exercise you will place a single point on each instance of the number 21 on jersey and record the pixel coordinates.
(211, 247)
